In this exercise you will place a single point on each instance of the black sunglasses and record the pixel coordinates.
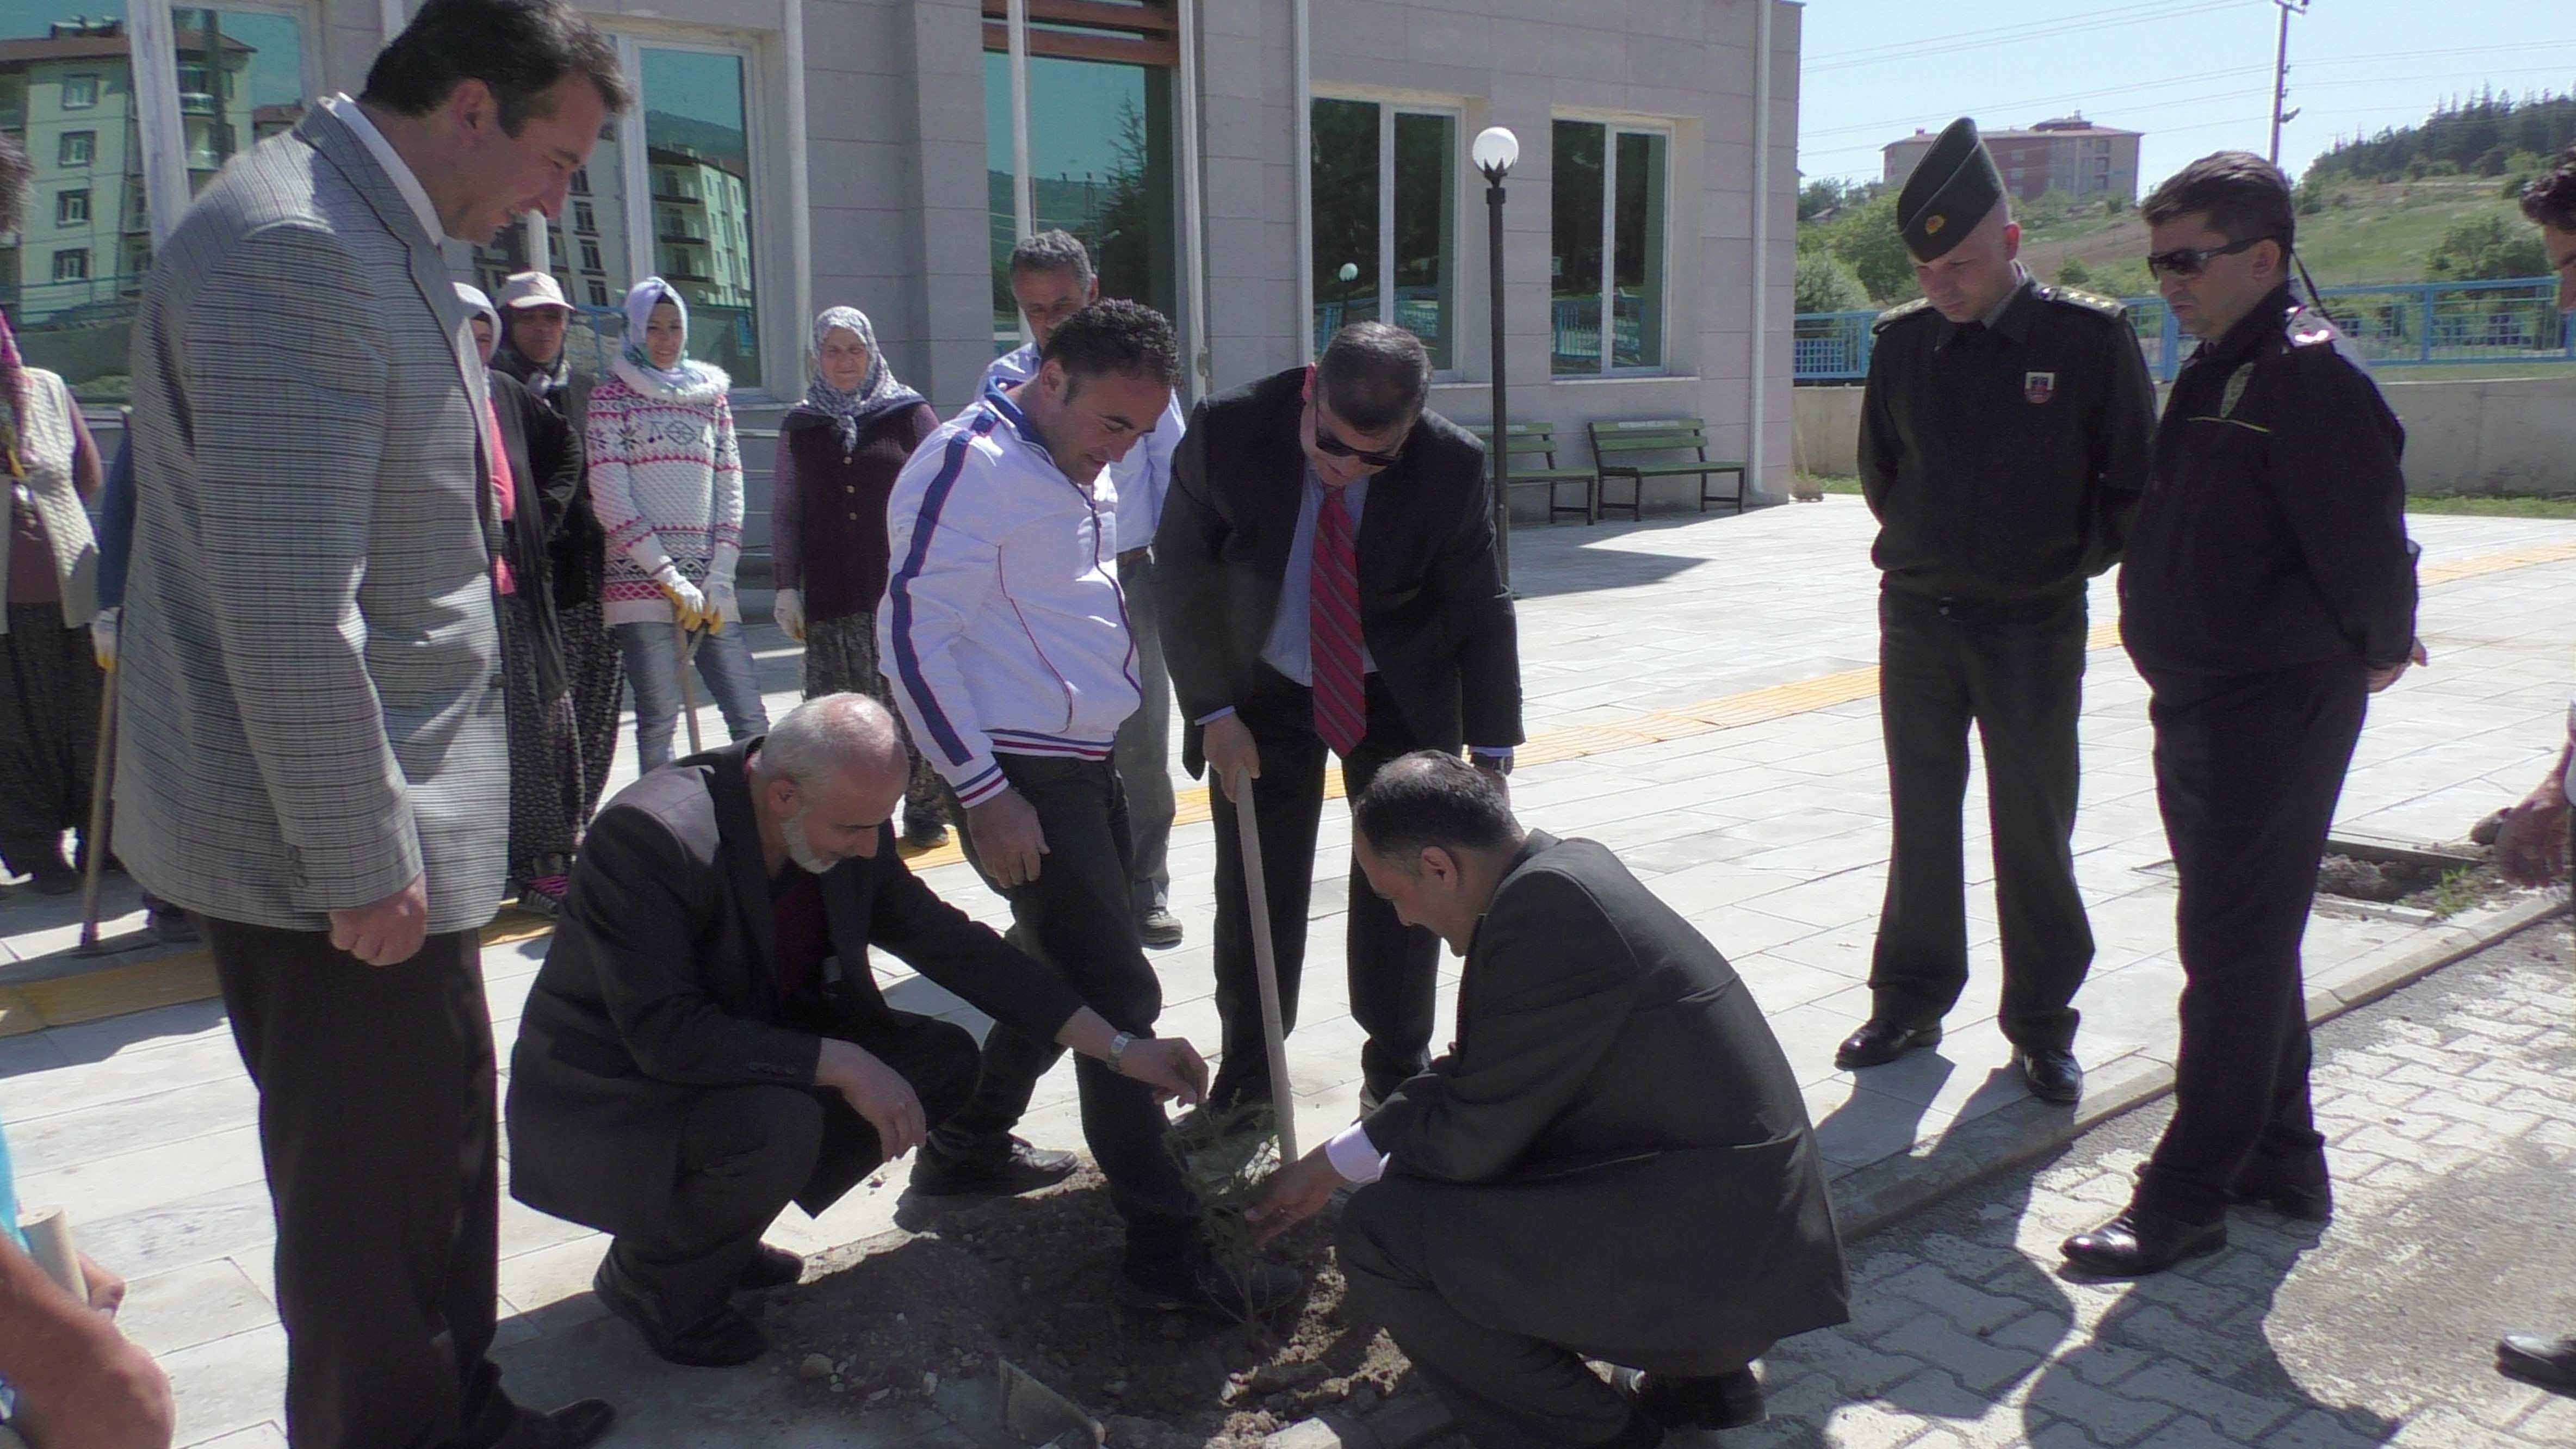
(1326, 443)
(2188, 261)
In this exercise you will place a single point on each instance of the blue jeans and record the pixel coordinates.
(653, 667)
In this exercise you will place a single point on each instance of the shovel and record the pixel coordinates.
(102, 783)
(1265, 958)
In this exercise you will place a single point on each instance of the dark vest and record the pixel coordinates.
(842, 505)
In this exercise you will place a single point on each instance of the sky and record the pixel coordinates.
(2194, 75)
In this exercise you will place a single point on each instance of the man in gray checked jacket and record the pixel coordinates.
(314, 760)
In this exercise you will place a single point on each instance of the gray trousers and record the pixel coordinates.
(1144, 751)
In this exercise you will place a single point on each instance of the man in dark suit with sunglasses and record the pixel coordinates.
(2269, 592)
(1329, 587)
(2003, 443)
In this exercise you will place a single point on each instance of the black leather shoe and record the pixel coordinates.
(1192, 1282)
(2141, 1241)
(1683, 1403)
(1021, 1169)
(1881, 1040)
(723, 1339)
(2299, 1189)
(2051, 1073)
(2548, 1362)
(770, 1268)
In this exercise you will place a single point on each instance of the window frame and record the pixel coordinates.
(63, 205)
(78, 255)
(1613, 126)
(88, 148)
(1391, 103)
(95, 87)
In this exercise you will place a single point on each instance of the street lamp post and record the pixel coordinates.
(1495, 153)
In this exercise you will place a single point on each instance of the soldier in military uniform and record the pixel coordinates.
(2269, 591)
(2003, 444)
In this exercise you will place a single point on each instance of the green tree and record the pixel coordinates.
(1865, 237)
(1826, 283)
(2074, 273)
(2485, 249)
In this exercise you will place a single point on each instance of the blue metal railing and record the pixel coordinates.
(2403, 324)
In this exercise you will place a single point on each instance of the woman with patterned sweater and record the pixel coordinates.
(666, 484)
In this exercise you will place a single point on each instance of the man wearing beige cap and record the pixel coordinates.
(534, 320)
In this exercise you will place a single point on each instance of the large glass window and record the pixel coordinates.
(1385, 252)
(697, 147)
(1100, 149)
(1609, 195)
(691, 196)
(67, 96)
(70, 275)
(241, 78)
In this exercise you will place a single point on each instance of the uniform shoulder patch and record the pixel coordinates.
(1920, 306)
(2067, 296)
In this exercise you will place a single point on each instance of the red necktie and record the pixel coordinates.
(1333, 630)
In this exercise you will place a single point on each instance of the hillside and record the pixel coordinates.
(2366, 233)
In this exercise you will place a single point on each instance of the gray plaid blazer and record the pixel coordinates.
(310, 675)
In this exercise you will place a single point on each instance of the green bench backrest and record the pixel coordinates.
(1652, 435)
(1525, 438)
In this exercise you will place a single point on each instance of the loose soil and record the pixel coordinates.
(2444, 889)
(1034, 1280)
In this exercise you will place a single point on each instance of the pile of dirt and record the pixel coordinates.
(2444, 888)
(1034, 1280)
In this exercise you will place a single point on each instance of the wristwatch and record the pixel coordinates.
(1118, 1051)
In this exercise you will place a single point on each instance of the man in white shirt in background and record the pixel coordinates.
(1052, 278)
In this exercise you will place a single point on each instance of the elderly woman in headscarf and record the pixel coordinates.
(666, 484)
(838, 453)
(49, 674)
(535, 472)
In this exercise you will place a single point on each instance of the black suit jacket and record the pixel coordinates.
(1619, 1155)
(1433, 609)
(661, 984)
(545, 469)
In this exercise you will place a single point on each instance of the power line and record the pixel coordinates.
(2048, 30)
(1866, 53)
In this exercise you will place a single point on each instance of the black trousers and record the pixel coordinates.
(747, 1152)
(2248, 769)
(1079, 918)
(376, 1122)
(1394, 968)
(1508, 1390)
(2015, 671)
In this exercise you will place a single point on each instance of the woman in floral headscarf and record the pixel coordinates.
(838, 454)
(666, 484)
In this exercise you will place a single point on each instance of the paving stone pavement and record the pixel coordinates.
(2451, 1113)
(1771, 836)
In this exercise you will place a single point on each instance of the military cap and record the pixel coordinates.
(1951, 190)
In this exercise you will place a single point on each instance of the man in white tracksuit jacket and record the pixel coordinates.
(1052, 278)
(1008, 645)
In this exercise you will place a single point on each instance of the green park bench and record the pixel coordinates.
(1539, 440)
(1621, 449)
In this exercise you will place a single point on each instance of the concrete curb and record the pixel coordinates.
(1896, 1187)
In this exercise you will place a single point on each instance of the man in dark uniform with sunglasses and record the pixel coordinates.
(2269, 591)
(2003, 445)
(1329, 587)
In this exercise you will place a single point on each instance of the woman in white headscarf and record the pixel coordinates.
(666, 484)
(838, 453)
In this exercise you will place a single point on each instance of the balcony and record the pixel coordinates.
(196, 103)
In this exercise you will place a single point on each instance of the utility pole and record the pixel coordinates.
(2281, 74)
